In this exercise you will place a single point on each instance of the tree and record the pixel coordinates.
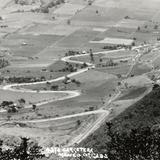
(78, 83)
(84, 65)
(91, 55)
(21, 102)
(156, 26)
(54, 87)
(78, 122)
(142, 143)
(138, 28)
(155, 86)
(8, 117)
(100, 60)
(26, 152)
(34, 106)
(45, 10)
(68, 21)
(119, 75)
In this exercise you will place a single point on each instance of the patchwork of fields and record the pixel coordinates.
(68, 49)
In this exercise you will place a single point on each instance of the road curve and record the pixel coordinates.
(71, 94)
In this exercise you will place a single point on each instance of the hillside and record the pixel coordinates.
(144, 113)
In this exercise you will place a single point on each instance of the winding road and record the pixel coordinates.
(71, 94)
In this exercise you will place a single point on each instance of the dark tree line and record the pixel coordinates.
(14, 79)
(142, 143)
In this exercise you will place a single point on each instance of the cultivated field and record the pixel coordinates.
(74, 100)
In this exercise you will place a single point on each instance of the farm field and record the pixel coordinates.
(103, 18)
(116, 32)
(69, 9)
(50, 29)
(114, 41)
(77, 39)
(22, 45)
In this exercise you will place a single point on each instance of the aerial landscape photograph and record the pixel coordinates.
(79, 79)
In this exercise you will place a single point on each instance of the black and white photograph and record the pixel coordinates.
(79, 79)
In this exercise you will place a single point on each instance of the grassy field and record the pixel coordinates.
(104, 17)
(36, 43)
(132, 93)
(77, 39)
(49, 134)
(69, 9)
(120, 54)
(142, 10)
(91, 97)
(156, 62)
(150, 56)
(28, 45)
(94, 87)
(117, 32)
(122, 69)
(140, 69)
(50, 29)
(29, 97)
(52, 71)
(129, 23)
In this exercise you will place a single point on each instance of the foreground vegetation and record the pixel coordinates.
(24, 151)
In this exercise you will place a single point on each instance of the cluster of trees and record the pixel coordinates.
(68, 68)
(21, 2)
(3, 63)
(147, 28)
(108, 63)
(72, 53)
(54, 87)
(45, 7)
(24, 2)
(142, 143)
(118, 46)
(91, 56)
(22, 79)
(24, 151)
(13, 107)
(68, 80)
(78, 83)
